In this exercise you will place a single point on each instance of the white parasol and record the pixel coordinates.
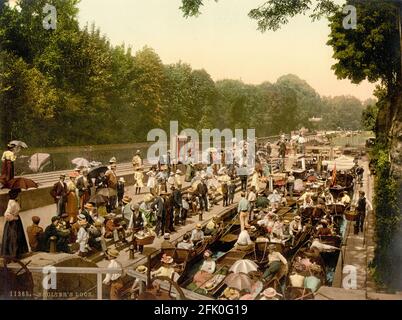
(244, 266)
(80, 162)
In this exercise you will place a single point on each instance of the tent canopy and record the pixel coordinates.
(342, 163)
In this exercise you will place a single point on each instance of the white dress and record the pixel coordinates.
(82, 239)
(151, 179)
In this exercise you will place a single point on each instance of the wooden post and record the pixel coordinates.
(53, 248)
(99, 283)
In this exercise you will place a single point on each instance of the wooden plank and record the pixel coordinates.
(99, 286)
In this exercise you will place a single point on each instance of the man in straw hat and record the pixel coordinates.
(275, 261)
(148, 214)
(244, 242)
(127, 211)
(197, 234)
(114, 279)
(111, 177)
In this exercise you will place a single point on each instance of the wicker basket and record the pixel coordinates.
(351, 215)
(145, 241)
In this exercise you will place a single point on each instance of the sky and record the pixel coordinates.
(224, 41)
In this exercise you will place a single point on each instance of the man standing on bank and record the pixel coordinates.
(59, 194)
(363, 205)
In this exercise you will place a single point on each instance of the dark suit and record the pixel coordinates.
(59, 194)
(202, 191)
(177, 204)
(158, 204)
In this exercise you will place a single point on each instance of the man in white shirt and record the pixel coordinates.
(197, 234)
(244, 241)
(114, 279)
(345, 200)
(252, 197)
(275, 262)
(295, 227)
(186, 243)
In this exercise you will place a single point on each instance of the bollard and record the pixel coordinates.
(131, 252)
(53, 248)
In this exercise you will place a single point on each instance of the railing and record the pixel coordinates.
(72, 270)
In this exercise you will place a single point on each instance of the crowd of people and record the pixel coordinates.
(90, 210)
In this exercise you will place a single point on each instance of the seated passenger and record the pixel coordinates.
(206, 271)
(186, 243)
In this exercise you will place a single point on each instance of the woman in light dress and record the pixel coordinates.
(138, 180)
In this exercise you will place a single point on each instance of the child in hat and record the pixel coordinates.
(114, 279)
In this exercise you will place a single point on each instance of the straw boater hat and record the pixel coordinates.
(166, 236)
(297, 217)
(127, 199)
(110, 216)
(198, 226)
(231, 293)
(113, 160)
(141, 269)
(112, 253)
(148, 198)
(270, 293)
(138, 152)
(122, 180)
(82, 220)
(167, 259)
(178, 171)
(89, 206)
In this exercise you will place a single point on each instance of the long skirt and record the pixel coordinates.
(7, 171)
(71, 206)
(84, 199)
(14, 243)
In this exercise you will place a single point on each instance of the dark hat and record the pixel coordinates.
(55, 218)
(13, 193)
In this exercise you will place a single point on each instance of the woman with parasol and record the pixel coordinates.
(7, 161)
(14, 243)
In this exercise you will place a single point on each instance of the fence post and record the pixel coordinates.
(99, 284)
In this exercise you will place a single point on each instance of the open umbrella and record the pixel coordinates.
(20, 183)
(95, 172)
(80, 162)
(98, 199)
(19, 144)
(239, 281)
(38, 161)
(244, 266)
